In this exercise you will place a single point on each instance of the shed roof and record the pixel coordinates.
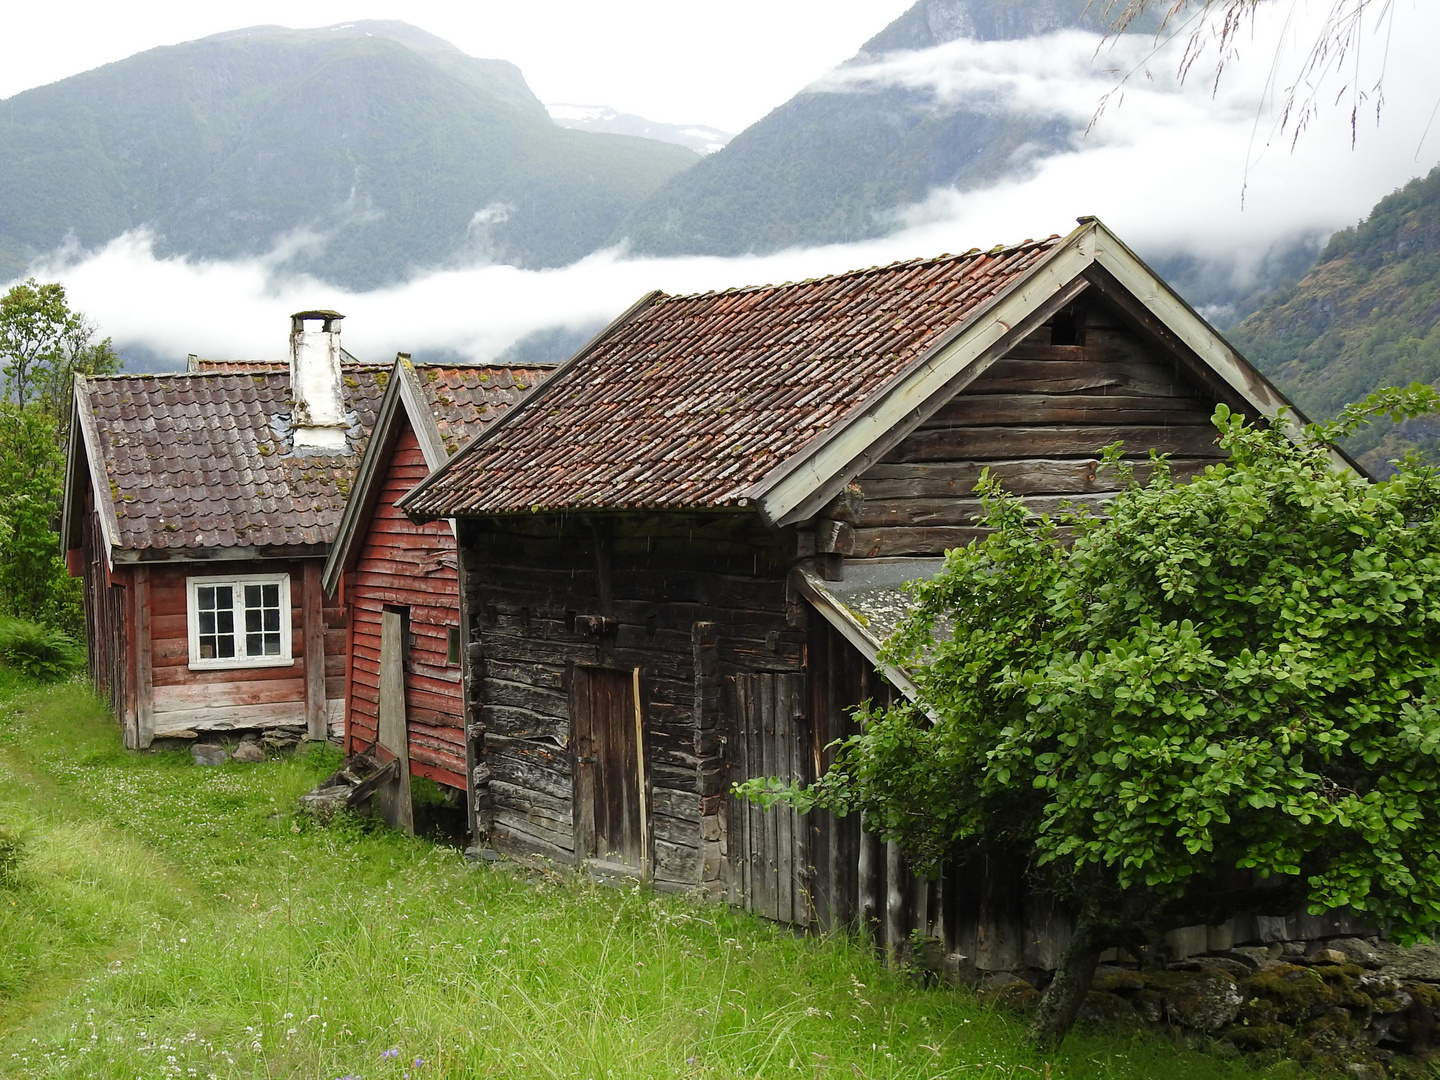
(189, 461)
(446, 406)
(692, 399)
(778, 396)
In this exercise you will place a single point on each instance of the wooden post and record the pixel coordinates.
(895, 930)
(313, 613)
(347, 739)
(866, 873)
(644, 795)
(473, 747)
(144, 662)
(393, 736)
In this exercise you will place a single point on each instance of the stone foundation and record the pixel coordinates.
(1353, 1005)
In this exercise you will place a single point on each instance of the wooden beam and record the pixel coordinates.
(1077, 441)
(312, 604)
(144, 662)
(646, 870)
(394, 798)
(349, 604)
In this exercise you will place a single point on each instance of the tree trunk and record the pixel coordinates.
(1061, 1002)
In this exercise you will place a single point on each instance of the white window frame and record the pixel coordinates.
(238, 582)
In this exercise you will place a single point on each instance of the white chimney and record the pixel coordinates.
(319, 422)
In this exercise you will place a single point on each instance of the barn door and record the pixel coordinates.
(609, 769)
(768, 735)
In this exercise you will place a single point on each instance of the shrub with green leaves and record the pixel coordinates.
(1223, 684)
(38, 651)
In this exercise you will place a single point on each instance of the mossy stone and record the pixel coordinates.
(1253, 1037)
(1119, 982)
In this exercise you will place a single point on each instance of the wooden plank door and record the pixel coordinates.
(609, 769)
(768, 735)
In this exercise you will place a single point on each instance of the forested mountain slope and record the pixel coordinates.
(1366, 315)
(374, 145)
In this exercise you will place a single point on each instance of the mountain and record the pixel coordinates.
(1367, 315)
(370, 148)
(829, 166)
(698, 137)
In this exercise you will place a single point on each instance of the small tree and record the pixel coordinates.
(1236, 674)
(43, 345)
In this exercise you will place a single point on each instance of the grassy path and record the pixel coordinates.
(172, 921)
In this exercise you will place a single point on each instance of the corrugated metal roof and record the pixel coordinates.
(693, 399)
(203, 460)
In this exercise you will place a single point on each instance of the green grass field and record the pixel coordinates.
(165, 920)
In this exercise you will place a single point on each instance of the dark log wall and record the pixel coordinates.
(402, 564)
(1037, 419)
(688, 599)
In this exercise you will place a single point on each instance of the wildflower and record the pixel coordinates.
(393, 1052)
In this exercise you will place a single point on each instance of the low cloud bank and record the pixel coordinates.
(1166, 167)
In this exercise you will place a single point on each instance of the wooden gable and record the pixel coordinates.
(1037, 418)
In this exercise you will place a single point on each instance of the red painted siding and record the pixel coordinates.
(397, 566)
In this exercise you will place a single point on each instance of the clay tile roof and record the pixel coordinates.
(693, 399)
(464, 400)
(203, 459)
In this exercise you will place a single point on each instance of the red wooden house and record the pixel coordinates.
(199, 508)
(383, 563)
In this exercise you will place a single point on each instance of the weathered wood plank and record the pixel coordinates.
(396, 806)
(219, 694)
(960, 511)
(312, 604)
(977, 409)
(230, 717)
(783, 738)
(980, 443)
(1018, 375)
(885, 543)
(1028, 476)
(144, 682)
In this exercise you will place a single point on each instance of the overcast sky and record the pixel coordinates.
(720, 64)
(1166, 167)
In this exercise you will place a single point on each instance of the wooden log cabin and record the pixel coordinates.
(384, 563)
(680, 554)
(199, 508)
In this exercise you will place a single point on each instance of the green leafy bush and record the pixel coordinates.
(39, 651)
(1220, 681)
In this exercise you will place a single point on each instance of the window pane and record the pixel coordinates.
(262, 620)
(215, 621)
